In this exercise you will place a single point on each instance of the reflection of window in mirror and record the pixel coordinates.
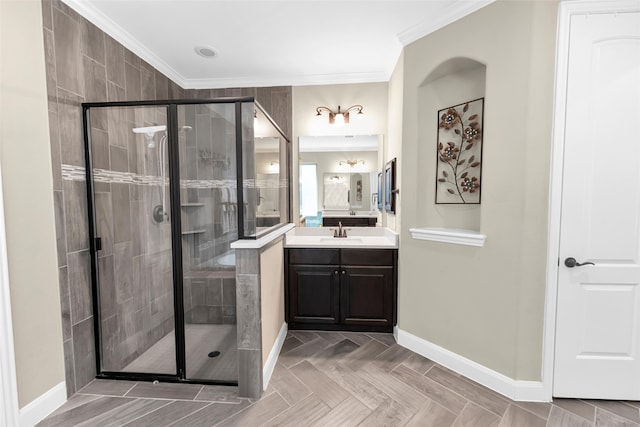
(308, 189)
(336, 191)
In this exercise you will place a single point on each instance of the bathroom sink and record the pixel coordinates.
(358, 237)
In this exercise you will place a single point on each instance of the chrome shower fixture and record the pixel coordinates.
(149, 132)
(160, 213)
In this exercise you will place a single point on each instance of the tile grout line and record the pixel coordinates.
(151, 412)
(613, 413)
(471, 400)
(529, 411)
(132, 387)
(189, 414)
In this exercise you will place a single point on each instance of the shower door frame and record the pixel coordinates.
(173, 151)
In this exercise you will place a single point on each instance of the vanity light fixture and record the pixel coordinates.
(340, 117)
(351, 163)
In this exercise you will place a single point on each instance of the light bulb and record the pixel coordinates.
(339, 119)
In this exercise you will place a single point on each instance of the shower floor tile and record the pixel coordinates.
(200, 340)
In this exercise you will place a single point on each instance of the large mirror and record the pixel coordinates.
(338, 180)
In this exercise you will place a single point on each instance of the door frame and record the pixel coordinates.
(566, 10)
(9, 412)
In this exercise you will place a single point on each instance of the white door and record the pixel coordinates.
(598, 312)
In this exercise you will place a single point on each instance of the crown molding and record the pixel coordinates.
(452, 12)
(292, 80)
(106, 24)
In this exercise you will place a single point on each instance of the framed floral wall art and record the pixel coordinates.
(459, 163)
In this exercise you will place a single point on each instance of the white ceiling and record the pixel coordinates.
(271, 42)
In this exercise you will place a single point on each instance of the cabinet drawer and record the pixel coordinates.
(368, 257)
(314, 256)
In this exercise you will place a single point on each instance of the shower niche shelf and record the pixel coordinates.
(192, 232)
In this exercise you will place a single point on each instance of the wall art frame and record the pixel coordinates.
(459, 153)
(379, 199)
(390, 189)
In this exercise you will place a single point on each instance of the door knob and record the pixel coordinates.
(571, 262)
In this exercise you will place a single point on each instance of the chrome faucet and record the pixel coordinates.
(339, 232)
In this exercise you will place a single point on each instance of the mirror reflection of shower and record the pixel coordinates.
(159, 213)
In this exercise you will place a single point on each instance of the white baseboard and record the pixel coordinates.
(37, 410)
(529, 391)
(270, 365)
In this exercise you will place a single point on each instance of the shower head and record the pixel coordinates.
(150, 131)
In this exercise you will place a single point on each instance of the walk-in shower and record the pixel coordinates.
(171, 184)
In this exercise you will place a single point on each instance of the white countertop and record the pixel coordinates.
(358, 237)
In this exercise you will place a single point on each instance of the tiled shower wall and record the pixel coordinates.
(208, 158)
(84, 64)
(136, 284)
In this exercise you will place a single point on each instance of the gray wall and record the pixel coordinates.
(85, 64)
(208, 162)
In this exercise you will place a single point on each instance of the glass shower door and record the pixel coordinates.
(209, 218)
(129, 161)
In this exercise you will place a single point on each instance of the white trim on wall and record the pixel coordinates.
(37, 410)
(9, 399)
(270, 364)
(566, 10)
(530, 391)
(454, 10)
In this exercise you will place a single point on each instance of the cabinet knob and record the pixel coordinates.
(335, 271)
(344, 271)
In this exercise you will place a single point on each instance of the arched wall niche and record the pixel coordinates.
(454, 81)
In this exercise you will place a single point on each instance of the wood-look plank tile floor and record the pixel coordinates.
(334, 379)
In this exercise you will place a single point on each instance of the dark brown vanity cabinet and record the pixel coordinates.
(341, 289)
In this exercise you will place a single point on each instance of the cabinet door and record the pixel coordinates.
(367, 296)
(314, 294)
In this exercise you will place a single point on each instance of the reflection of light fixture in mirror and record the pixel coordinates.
(340, 117)
(274, 167)
(351, 163)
